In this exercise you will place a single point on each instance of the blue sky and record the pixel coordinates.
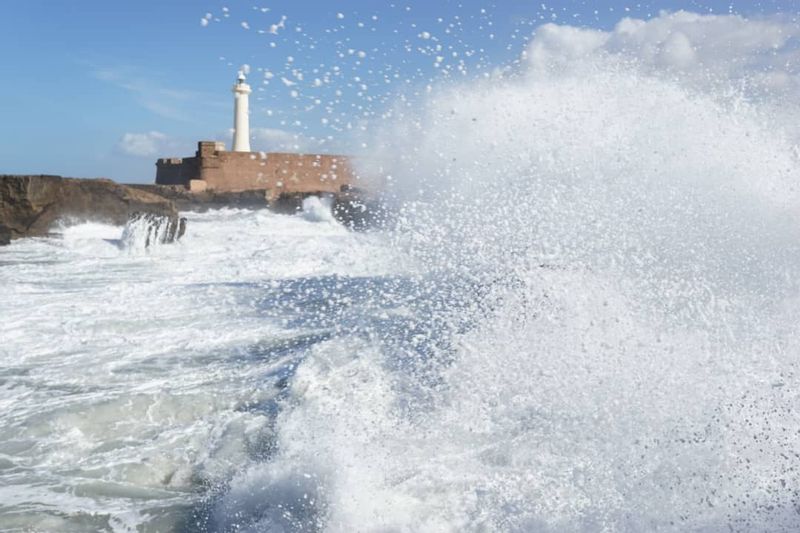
(99, 88)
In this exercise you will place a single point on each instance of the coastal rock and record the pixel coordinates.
(147, 229)
(186, 200)
(31, 205)
(290, 203)
(359, 210)
(356, 208)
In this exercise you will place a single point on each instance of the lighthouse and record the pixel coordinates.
(241, 115)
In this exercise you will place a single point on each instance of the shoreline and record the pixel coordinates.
(31, 204)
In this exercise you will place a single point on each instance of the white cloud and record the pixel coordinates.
(556, 45)
(154, 144)
(271, 140)
(150, 144)
(701, 48)
(167, 102)
(276, 140)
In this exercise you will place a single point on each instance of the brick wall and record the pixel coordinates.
(241, 171)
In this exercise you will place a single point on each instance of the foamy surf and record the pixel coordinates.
(584, 319)
(124, 395)
(616, 354)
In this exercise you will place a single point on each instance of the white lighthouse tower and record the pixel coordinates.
(241, 115)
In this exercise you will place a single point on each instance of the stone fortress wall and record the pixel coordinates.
(214, 168)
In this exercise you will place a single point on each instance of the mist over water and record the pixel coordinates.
(584, 318)
(629, 360)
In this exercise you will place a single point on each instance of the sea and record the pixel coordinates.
(582, 316)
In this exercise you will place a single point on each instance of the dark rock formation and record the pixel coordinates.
(356, 208)
(31, 205)
(359, 210)
(290, 203)
(150, 229)
(186, 200)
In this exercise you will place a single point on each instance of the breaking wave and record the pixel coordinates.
(146, 230)
(585, 318)
(619, 351)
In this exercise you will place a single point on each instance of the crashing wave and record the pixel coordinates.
(144, 230)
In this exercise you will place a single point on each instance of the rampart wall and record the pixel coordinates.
(225, 171)
(176, 171)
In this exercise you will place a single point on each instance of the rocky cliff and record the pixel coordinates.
(31, 205)
(186, 200)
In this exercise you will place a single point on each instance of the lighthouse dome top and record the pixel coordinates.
(241, 87)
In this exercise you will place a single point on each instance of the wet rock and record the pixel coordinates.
(359, 210)
(149, 229)
(290, 203)
(356, 208)
(31, 205)
(5, 235)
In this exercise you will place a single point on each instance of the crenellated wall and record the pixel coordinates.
(221, 170)
(176, 171)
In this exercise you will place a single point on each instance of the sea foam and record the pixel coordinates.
(627, 243)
